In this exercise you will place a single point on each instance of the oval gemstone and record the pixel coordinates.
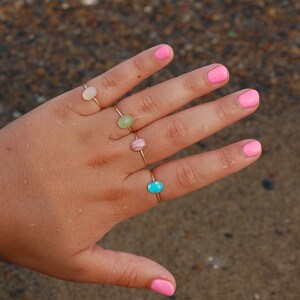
(138, 144)
(89, 93)
(125, 121)
(155, 186)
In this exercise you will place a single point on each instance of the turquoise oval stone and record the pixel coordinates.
(155, 186)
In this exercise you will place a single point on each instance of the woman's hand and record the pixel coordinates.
(68, 174)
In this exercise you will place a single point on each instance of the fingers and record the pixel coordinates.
(98, 265)
(162, 99)
(185, 175)
(117, 81)
(176, 132)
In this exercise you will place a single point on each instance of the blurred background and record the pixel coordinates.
(239, 238)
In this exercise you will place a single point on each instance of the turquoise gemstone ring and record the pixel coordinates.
(155, 187)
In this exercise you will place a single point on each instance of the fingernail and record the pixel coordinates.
(217, 74)
(162, 53)
(252, 148)
(163, 287)
(249, 99)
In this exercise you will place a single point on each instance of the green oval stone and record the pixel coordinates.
(125, 121)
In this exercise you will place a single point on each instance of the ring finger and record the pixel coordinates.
(187, 174)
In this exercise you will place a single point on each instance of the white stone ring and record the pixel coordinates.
(90, 94)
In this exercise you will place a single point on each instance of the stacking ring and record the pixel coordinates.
(125, 120)
(90, 94)
(155, 187)
(137, 145)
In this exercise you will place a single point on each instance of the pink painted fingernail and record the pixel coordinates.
(249, 99)
(252, 148)
(217, 74)
(138, 144)
(163, 287)
(162, 53)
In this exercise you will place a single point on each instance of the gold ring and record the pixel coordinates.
(90, 94)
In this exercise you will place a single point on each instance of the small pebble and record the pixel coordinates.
(16, 114)
(256, 296)
(213, 262)
(40, 99)
(89, 2)
(148, 9)
(228, 235)
(268, 184)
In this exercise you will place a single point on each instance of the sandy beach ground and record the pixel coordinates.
(239, 238)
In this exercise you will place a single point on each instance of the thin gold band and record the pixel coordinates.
(157, 194)
(141, 151)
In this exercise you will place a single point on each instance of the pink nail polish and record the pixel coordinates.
(252, 148)
(249, 99)
(162, 53)
(217, 74)
(163, 287)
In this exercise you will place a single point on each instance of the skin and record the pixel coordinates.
(68, 176)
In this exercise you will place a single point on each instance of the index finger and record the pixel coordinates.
(117, 81)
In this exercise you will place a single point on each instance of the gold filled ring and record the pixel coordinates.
(90, 93)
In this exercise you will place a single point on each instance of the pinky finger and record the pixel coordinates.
(187, 174)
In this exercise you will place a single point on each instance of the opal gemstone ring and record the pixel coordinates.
(90, 94)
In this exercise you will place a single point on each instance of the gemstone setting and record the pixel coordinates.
(125, 121)
(89, 93)
(155, 186)
(138, 145)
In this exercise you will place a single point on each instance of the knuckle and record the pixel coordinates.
(226, 158)
(117, 197)
(128, 277)
(109, 82)
(60, 112)
(97, 161)
(148, 104)
(186, 175)
(138, 65)
(221, 111)
(176, 131)
(113, 136)
(191, 85)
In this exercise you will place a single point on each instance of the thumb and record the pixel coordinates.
(98, 265)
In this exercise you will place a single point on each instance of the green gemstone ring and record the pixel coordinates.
(125, 121)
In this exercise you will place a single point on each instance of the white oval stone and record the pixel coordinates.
(89, 93)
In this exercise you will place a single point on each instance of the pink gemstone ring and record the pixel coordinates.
(137, 145)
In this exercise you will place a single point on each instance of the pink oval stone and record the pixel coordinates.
(138, 144)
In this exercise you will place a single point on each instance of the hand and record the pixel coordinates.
(68, 174)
